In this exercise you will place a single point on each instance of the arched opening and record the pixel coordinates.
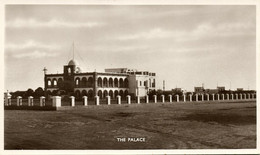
(105, 82)
(121, 83)
(49, 82)
(100, 94)
(121, 93)
(69, 71)
(60, 82)
(54, 83)
(116, 93)
(77, 94)
(126, 83)
(105, 94)
(126, 93)
(90, 82)
(84, 93)
(116, 82)
(90, 94)
(84, 82)
(77, 82)
(99, 82)
(110, 82)
(111, 94)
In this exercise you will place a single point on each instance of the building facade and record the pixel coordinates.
(112, 82)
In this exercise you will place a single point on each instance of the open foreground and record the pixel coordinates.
(208, 125)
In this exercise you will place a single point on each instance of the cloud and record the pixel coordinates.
(33, 23)
(35, 54)
(31, 44)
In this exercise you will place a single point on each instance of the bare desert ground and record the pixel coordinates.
(190, 125)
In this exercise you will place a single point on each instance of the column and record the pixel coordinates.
(30, 101)
(138, 99)
(128, 99)
(108, 100)
(170, 98)
(227, 96)
(147, 99)
(253, 96)
(97, 100)
(163, 100)
(236, 96)
(207, 97)
(85, 100)
(244, 96)
(241, 96)
(248, 96)
(197, 99)
(202, 97)
(213, 97)
(42, 101)
(177, 98)
(72, 101)
(223, 96)
(56, 101)
(155, 98)
(118, 99)
(190, 97)
(218, 97)
(232, 96)
(19, 100)
(184, 98)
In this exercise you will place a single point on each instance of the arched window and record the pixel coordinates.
(105, 82)
(60, 82)
(77, 94)
(111, 94)
(121, 83)
(116, 93)
(69, 71)
(49, 82)
(84, 93)
(77, 82)
(99, 82)
(126, 93)
(121, 93)
(84, 82)
(90, 94)
(105, 93)
(100, 94)
(110, 82)
(116, 82)
(54, 83)
(126, 83)
(90, 82)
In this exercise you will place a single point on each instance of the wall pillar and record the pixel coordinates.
(197, 99)
(128, 99)
(85, 100)
(241, 96)
(223, 96)
(190, 97)
(236, 96)
(155, 98)
(170, 98)
(163, 100)
(177, 98)
(244, 96)
(138, 99)
(72, 101)
(147, 99)
(118, 99)
(108, 100)
(248, 96)
(213, 97)
(56, 101)
(202, 97)
(227, 96)
(253, 96)
(42, 101)
(232, 96)
(97, 100)
(19, 100)
(218, 97)
(30, 101)
(184, 98)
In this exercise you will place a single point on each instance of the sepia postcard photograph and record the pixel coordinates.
(139, 77)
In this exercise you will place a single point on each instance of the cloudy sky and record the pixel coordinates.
(184, 45)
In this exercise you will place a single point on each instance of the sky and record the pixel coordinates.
(184, 45)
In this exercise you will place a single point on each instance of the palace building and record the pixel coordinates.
(112, 82)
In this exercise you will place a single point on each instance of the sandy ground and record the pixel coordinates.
(209, 125)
